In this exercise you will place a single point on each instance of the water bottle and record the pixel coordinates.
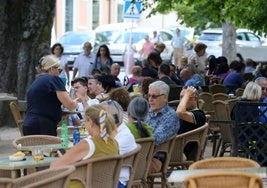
(76, 135)
(64, 135)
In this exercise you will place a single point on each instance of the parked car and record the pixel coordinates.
(213, 39)
(112, 31)
(73, 43)
(118, 46)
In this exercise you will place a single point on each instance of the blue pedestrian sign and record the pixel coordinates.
(132, 10)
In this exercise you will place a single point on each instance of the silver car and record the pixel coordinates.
(213, 39)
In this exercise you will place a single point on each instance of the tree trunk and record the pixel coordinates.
(229, 41)
(25, 32)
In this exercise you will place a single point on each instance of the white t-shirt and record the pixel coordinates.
(126, 144)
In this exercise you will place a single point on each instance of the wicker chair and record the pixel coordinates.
(34, 140)
(207, 98)
(223, 117)
(209, 110)
(221, 96)
(217, 88)
(17, 116)
(239, 92)
(197, 136)
(224, 162)
(166, 148)
(53, 177)
(145, 157)
(98, 172)
(6, 182)
(224, 179)
(131, 160)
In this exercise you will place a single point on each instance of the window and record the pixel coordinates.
(69, 15)
(95, 13)
(253, 37)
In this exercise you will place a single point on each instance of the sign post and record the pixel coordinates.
(131, 11)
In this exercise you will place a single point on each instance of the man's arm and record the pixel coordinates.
(169, 126)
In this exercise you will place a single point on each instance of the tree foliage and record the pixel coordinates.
(242, 13)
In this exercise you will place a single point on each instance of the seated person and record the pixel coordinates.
(163, 74)
(124, 138)
(101, 126)
(190, 116)
(80, 87)
(137, 112)
(122, 96)
(162, 118)
(136, 77)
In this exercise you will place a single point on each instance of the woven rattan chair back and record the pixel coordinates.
(207, 98)
(6, 182)
(145, 157)
(223, 116)
(224, 162)
(221, 96)
(131, 160)
(166, 148)
(17, 116)
(35, 140)
(217, 88)
(98, 172)
(52, 177)
(223, 180)
(197, 136)
(239, 92)
(215, 80)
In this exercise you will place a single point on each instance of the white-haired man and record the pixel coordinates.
(162, 118)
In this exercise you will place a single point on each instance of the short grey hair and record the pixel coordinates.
(259, 79)
(162, 86)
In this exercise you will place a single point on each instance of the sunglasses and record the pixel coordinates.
(264, 88)
(154, 96)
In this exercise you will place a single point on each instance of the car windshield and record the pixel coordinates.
(124, 37)
(211, 36)
(74, 39)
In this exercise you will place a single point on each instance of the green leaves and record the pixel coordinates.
(243, 13)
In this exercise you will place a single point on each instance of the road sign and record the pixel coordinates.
(132, 10)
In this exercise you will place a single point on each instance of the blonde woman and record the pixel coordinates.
(101, 127)
(44, 99)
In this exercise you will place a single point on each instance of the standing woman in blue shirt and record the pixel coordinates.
(44, 99)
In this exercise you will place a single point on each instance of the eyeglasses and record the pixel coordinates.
(264, 88)
(154, 96)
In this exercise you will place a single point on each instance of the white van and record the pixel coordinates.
(112, 31)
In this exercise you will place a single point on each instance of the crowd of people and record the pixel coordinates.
(114, 118)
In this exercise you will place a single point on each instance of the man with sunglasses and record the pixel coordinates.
(162, 118)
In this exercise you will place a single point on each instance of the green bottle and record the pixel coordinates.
(64, 135)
